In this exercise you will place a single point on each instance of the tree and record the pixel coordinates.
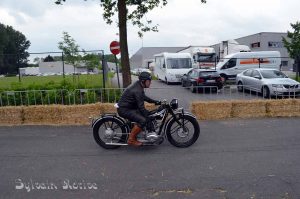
(48, 59)
(70, 49)
(92, 61)
(139, 9)
(13, 46)
(293, 46)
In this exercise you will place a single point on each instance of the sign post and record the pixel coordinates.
(115, 49)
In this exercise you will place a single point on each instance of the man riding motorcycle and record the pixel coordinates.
(131, 106)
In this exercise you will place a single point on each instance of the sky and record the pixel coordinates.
(181, 22)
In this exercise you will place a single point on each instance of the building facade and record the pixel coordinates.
(265, 41)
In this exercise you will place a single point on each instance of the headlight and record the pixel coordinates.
(277, 85)
(174, 104)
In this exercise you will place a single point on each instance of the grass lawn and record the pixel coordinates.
(52, 82)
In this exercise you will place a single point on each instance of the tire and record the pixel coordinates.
(193, 89)
(107, 124)
(173, 129)
(167, 81)
(240, 86)
(265, 92)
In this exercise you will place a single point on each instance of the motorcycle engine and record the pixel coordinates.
(152, 130)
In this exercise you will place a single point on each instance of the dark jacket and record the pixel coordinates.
(134, 97)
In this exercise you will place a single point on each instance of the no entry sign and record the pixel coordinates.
(115, 47)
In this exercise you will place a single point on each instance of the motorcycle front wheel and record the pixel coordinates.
(181, 135)
(109, 133)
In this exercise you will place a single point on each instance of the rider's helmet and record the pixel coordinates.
(145, 76)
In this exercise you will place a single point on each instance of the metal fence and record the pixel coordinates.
(66, 97)
(112, 95)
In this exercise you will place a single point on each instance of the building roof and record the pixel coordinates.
(146, 53)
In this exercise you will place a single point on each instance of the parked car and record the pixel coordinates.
(269, 82)
(201, 80)
(137, 71)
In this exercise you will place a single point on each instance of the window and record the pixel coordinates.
(284, 63)
(176, 63)
(275, 44)
(248, 73)
(194, 74)
(206, 57)
(255, 73)
(269, 74)
(231, 63)
(255, 45)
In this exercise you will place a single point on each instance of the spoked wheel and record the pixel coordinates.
(181, 135)
(109, 132)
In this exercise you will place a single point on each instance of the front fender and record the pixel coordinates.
(178, 112)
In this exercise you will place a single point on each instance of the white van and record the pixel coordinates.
(229, 66)
(170, 67)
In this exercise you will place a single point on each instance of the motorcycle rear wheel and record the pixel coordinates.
(180, 136)
(110, 131)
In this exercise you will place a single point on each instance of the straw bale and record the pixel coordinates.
(43, 114)
(248, 109)
(211, 110)
(11, 115)
(108, 108)
(283, 108)
(79, 114)
(149, 106)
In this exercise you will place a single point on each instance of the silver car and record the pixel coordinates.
(269, 82)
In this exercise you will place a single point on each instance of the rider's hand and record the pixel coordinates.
(157, 103)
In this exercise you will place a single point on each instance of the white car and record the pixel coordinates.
(137, 71)
(269, 82)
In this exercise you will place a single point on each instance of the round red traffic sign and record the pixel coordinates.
(115, 47)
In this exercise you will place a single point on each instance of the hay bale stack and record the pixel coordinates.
(248, 109)
(44, 114)
(79, 114)
(108, 108)
(150, 107)
(11, 115)
(211, 110)
(283, 108)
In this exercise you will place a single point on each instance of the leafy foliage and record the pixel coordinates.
(293, 46)
(69, 48)
(13, 46)
(138, 9)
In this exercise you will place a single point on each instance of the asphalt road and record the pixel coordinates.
(257, 158)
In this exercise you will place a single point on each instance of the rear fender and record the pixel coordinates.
(110, 115)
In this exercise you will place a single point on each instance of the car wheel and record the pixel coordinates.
(240, 86)
(193, 89)
(266, 92)
(166, 81)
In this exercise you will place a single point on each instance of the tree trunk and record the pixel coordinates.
(123, 43)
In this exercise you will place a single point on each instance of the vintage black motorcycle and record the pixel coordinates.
(180, 127)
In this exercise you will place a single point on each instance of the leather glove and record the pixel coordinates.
(157, 103)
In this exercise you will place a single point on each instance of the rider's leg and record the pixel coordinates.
(133, 116)
(132, 136)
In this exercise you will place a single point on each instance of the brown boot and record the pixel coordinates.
(132, 136)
